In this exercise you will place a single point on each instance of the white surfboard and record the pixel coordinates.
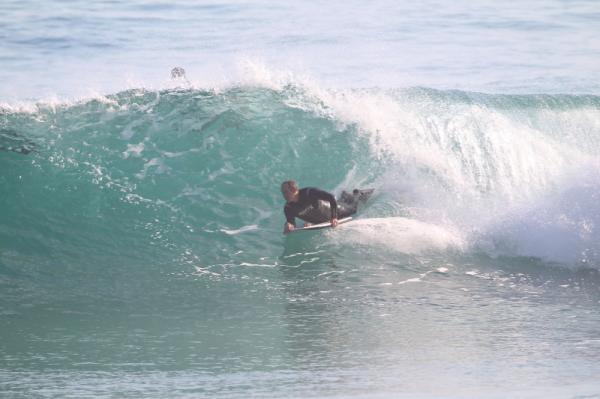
(321, 225)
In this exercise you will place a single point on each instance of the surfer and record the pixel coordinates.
(313, 205)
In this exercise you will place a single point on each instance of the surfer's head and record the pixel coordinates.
(289, 189)
(177, 72)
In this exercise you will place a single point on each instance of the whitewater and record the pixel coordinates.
(141, 245)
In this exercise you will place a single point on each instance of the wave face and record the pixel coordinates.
(191, 177)
(140, 241)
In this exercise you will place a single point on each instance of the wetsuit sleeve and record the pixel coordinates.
(316, 194)
(289, 215)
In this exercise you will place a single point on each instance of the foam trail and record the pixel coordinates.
(401, 234)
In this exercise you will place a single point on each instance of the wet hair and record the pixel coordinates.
(289, 185)
(177, 72)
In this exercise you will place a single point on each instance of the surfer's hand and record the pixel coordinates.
(287, 228)
(334, 222)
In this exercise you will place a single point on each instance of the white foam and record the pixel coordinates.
(401, 234)
(53, 103)
(411, 280)
(562, 227)
(242, 229)
(134, 150)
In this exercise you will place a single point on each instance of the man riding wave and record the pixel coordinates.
(315, 206)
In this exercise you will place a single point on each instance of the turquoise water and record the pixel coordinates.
(141, 252)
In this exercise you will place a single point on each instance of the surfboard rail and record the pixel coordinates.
(320, 226)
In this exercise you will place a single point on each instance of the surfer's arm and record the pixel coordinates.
(287, 227)
(290, 218)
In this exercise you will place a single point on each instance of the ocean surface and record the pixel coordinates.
(141, 245)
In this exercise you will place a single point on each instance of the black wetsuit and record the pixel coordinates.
(315, 206)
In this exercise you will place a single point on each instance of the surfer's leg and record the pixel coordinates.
(346, 197)
(348, 203)
(346, 210)
(356, 196)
